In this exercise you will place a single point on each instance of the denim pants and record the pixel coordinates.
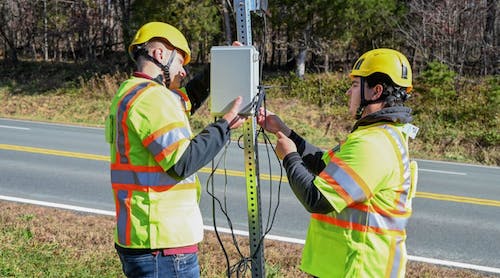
(159, 265)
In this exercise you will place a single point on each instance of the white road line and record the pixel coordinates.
(457, 163)
(56, 205)
(454, 264)
(244, 233)
(51, 123)
(14, 127)
(443, 172)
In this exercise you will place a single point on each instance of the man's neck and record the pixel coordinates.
(372, 108)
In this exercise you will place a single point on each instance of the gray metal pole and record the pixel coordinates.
(244, 34)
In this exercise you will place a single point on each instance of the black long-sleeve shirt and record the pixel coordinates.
(302, 167)
(202, 149)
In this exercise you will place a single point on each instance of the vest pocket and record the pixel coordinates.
(110, 129)
(413, 180)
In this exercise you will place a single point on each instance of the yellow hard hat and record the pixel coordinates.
(384, 60)
(161, 30)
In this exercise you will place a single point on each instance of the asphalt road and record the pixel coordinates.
(456, 212)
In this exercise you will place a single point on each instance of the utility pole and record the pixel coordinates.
(244, 34)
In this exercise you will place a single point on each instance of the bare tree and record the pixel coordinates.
(11, 27)
(60, 30)
(453, 32)
(227, 22)
(491, 41)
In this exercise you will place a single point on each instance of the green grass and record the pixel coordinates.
(45, 242)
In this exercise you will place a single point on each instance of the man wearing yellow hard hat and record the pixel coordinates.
(155, 156)
(358, 193)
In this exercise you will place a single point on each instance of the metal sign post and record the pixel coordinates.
(244, 34)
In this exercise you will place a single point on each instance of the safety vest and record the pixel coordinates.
(370, 182)
(148, 130)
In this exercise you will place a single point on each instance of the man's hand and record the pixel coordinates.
(232, 116)
(271, 122)
(284, 145)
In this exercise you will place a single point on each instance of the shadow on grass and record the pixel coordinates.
(39, 77)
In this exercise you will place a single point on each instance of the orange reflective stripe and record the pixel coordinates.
(123, 214)
(123, 145)
(360, 206)
(128, 179)
(341, 223)
(185, 100)
(355, 226)
(333, 183)
(138, 168)
(359, 181)
(377, 209)
(344, 180)
(163, 143)
(123, 195)
(365, 222)
(161, 132)
(135, 187)
(392, 212)
(168, 150)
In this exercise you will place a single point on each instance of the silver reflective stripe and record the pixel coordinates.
(122, 215)
(122, 110)
(345, 181)
(373, 219)
(398, 257)
(405, 160)
(146, 178)
(167, 139)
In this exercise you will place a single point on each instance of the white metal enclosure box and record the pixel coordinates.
(234, 71)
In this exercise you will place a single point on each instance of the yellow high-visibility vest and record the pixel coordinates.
(148, 131)
(370, 182)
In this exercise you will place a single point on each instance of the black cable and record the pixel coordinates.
(268, 229)
(214, 221)
(223, 208)
(244, 264)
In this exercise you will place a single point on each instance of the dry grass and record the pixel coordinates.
(45, 242)
(85, 99)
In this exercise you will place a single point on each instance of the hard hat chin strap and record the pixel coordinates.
(364, 102)
(164, 68)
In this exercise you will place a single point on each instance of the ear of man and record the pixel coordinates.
(377, 91)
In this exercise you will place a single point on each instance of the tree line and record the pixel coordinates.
(314, 35)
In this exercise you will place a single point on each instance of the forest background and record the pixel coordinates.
(63, 60)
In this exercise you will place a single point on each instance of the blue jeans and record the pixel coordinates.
(159, 266)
